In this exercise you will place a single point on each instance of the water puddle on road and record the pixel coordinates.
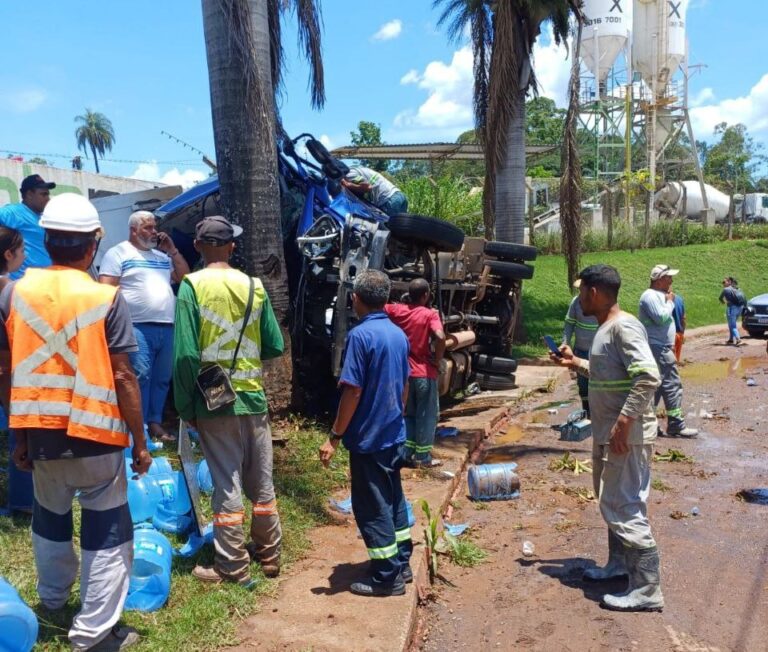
(706, 372)
(499, 452)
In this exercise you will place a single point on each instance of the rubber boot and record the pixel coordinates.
(644, 591)
(616, 567)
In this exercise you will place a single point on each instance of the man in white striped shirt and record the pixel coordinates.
(144, 266)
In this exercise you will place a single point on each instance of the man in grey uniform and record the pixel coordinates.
(623, 377)
(657, 305)
(583, 328)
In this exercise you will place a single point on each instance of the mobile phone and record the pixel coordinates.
(551, 345)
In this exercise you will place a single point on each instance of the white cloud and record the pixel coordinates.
(173, 177)
(447, 111)
(23, 100)
(704, 96)
(325, 139)
(411, 77)
(750, 110)
(389, 31)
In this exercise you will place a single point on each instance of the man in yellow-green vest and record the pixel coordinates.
(217, 308)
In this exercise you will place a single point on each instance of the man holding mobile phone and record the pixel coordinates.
(623, 378)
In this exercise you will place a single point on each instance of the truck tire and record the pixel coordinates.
(494, 381)
(510, 251)
(510, 270)
(429, 231)
(495, 364)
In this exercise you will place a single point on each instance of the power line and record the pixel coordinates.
(105, 160)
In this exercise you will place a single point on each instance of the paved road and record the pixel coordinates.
(714, 565)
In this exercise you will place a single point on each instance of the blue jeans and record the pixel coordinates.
(153, 364)
(582, 382)
(396, 204)
(732, 315)
(421, 414)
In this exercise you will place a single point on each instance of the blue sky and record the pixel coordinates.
(143, 64)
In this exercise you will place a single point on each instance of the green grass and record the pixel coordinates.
(467, 554)
(702, 268)
(197, 616)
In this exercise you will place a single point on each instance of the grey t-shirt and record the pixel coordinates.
(623, 377)
(46, 444)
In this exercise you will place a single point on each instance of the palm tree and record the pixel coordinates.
(95, 131)
(503, 33)
(245, 64)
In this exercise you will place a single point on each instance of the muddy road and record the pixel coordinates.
(714, 547)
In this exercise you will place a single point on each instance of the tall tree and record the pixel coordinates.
(95, 132)
(369, 134)
(243, 40)
(731, 163)
(503, 33)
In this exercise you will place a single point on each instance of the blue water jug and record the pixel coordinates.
(204, 479)
(18, 623)
(145, 493)
(20, 490)
(150, 581)
(174, 512)
(493, 481)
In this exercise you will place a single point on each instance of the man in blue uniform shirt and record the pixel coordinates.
(374, 382)
(25, 217)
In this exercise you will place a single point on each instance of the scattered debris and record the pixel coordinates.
(344, 506)
(568, 463)
(677, 515)
(528, 549)
(565, 525)
(751, 382)
(582, 494)
(455, 530)
(695, 511)
(672, 455)
(446, 431)
(757, 496)
(659, 485)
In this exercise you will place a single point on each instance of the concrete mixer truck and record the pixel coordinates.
(684, 198)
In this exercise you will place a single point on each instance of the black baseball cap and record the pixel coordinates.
(36, 182)
(216, 230)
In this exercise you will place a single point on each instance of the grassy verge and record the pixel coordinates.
(702, 268)
(197, 616)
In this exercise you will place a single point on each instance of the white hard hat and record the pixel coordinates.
(70, 212)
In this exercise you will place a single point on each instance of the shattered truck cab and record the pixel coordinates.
(330, 236)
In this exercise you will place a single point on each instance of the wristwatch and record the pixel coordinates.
(335, 436)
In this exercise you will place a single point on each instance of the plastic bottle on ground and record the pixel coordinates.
(528, 549)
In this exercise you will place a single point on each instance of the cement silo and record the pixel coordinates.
(658, 40)
(607, 26)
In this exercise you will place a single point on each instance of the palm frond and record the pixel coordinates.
(570, 184)
(310, 23)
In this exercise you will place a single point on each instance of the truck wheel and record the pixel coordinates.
(510, 251)
(431, 232)
(509, 270)
(493, 381)
(495, 364)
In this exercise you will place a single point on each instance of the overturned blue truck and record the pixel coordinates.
(330, 235)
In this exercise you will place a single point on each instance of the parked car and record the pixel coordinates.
(755, 317)
(330, 236)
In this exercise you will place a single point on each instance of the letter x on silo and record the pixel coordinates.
(616, 5)
(675, 9)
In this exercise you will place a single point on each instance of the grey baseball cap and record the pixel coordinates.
(217, 230)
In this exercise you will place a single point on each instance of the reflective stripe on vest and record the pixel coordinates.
(222, 295)
(52, 386)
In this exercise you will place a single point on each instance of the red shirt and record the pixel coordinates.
(418, 323)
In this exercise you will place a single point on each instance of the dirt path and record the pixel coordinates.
(714, 565)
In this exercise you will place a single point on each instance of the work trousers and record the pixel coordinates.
(421, 414)
(378, 504)
(732, 316)
(671, 388)
(106, 540)
(396, 204)
(153, 364)
(582, 382)
(239, 454)
(622, 484)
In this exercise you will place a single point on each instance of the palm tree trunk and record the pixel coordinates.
(243, 110)
(510, 179)
(95, 158)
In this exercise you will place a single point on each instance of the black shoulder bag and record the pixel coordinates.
(214, 383)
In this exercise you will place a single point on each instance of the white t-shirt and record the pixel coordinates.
(145, 281)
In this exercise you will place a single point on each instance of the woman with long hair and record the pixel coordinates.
(734, 301)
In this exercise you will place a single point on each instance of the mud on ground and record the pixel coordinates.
(714, 564)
